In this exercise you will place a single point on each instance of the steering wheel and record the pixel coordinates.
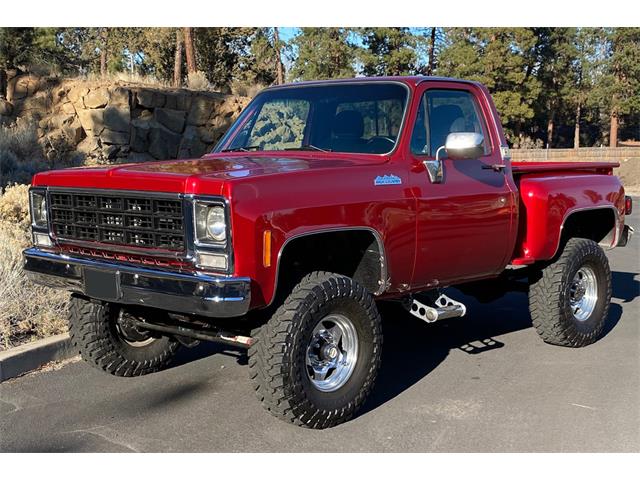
(379, 142)
(381, 137)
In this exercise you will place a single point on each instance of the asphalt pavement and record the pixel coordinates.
(482, 383)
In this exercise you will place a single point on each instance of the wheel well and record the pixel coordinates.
(598, 225)
(354, 253)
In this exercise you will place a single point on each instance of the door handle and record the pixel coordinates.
(496, 167)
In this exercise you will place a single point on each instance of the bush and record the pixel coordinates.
(198, 81)
(21, 155)
(14, 206)
(27, 311)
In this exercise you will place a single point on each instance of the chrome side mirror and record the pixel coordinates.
(459, 146)
(464, 145)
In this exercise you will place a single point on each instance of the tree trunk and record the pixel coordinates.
(550, 130)
(3, 83)
(104, 34)
(189, 50)
(432, 52)
(613, 131)
(279, 67)
(576, 131)
(177, 63)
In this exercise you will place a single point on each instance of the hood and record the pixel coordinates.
(207, 174)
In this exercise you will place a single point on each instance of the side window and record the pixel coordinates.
(280, 124)
(442, 112)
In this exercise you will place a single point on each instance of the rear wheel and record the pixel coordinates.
(104, 338)
(569, 298)
(314, 363)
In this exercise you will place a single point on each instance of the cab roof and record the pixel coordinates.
(411, 80)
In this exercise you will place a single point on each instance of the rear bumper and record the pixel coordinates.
(191, 293)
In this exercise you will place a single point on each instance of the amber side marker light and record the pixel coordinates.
(628, 205)
(266, 248)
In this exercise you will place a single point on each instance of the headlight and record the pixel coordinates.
(38, 209)
(211, 224)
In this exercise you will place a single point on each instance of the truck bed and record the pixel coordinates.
(520, 168)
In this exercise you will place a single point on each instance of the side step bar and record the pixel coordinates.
(443, 308)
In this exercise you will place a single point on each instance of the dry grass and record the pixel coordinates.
(123, 77)
(21, 155)
(27, 311)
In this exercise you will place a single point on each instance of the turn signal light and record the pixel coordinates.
(266, 248)
(628, 205)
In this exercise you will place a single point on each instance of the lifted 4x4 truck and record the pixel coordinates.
(322, 199)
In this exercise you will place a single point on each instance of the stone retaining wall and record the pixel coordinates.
(119, 122)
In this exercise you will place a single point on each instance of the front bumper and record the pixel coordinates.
(191, 293)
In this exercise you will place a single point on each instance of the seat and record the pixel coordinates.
(348, 128)
(445, 119)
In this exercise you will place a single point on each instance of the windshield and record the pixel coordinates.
(355, 118)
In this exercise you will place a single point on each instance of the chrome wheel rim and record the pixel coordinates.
(332, 353)
(583, 293)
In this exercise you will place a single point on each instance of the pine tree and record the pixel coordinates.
(504, 59)
(388, 51)
(620, 88)
(323, 53)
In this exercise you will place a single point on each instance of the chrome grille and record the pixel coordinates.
(118, 219)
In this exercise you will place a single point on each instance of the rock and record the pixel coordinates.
(74, 132)
(140, 137)
(21, 86)
(92, 121)
(200, 111)
(68, 108)
(6, 108)
(76, 93)
(206, 134)
(57, 121)
(117, 118)
(89, 145)
(171, 101)
(183, 101)
(163, 143)
(136, 157)
(172, 119)
(96, 98)
(191, 146)
(112, 137)
(119, 97)
(150, 99)
(110, 151)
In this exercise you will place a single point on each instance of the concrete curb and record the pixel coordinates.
(25, 358)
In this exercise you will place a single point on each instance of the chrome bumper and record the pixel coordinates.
(191, 293)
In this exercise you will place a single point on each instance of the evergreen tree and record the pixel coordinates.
(388, 51)
(619, 89)
(504, 59)
(323, 53)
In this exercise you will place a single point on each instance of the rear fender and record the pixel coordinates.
(547, 205)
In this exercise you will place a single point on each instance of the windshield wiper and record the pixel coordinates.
(309, 147)
(242, 149)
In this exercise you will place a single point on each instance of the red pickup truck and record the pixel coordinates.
(322, 199)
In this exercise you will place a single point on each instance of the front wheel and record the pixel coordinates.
(314, 363)
(105, 339)
(569, 298)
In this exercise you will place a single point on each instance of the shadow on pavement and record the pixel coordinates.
(625, 286)
(412, 349)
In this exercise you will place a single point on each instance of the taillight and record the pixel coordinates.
(628, 205)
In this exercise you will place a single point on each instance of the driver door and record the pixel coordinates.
(464, 223)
